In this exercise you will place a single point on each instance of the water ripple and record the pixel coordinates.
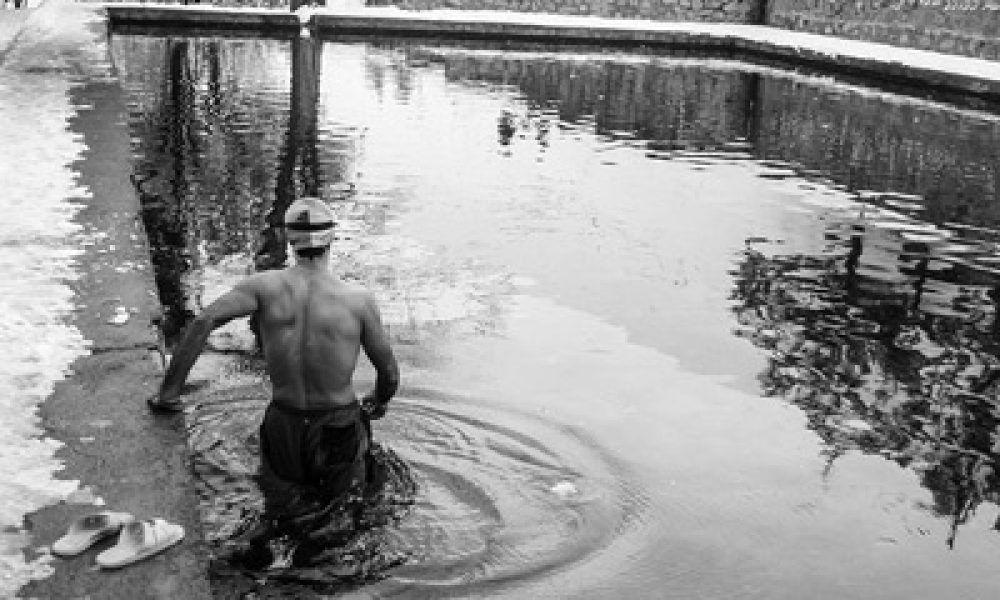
(501, 495)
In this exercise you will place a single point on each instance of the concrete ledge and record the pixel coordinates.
(332, 24)
(197, 16)
(921, 80)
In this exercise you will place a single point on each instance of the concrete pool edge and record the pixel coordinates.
(122, 457)
(880, 63)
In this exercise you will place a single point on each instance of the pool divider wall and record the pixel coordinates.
(259, 20)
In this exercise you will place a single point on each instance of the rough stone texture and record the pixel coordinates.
(966, 27)
(723, 11)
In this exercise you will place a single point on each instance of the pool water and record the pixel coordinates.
(669, 327)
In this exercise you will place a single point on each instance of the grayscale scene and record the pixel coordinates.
(505, 299)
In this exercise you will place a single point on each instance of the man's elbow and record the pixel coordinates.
(389, 376)
(393, 375)
(201, 326)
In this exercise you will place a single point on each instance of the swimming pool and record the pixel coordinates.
(670, 327)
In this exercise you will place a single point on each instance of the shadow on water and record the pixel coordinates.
(886, 340)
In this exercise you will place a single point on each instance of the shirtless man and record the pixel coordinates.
(314, 435)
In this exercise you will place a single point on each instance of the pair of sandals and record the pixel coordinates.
(137, 539)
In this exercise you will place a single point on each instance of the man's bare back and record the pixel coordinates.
(313, 326)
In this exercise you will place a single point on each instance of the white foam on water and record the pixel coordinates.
(39, 243)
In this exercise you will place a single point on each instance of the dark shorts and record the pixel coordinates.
(311, 459)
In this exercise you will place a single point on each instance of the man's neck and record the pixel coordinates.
(320, 263)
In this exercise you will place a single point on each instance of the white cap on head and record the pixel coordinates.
(309, 223)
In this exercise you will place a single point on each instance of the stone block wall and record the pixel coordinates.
(726, 11)
(966, 27)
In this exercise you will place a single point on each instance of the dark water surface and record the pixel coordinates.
(670, 327)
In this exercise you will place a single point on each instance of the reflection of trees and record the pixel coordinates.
(218, 160)
(876, 367)
(204, 138)
(162, 210)
(298, 171)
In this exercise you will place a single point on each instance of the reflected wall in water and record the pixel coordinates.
(683, 103)
(867, 141)
(857, 138)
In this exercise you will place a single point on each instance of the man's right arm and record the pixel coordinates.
(238, 302)
(375, 342)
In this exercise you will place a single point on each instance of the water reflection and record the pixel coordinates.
(206, 127)
(298, 173)
(886, 339)
(888, 342)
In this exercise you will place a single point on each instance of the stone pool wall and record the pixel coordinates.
(725, 11)
(967, 27)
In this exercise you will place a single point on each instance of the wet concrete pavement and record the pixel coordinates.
(123, 457)
(134, 461)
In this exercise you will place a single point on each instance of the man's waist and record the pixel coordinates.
(314, 410)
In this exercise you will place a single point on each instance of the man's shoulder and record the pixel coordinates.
(264, 284)
(354, 292)
(262, 279)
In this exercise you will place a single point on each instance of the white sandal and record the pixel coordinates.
(87, 530)
(139, 540)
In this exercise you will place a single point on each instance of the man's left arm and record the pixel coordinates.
(241, 301)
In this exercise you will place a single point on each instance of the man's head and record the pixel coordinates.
(309, 223)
